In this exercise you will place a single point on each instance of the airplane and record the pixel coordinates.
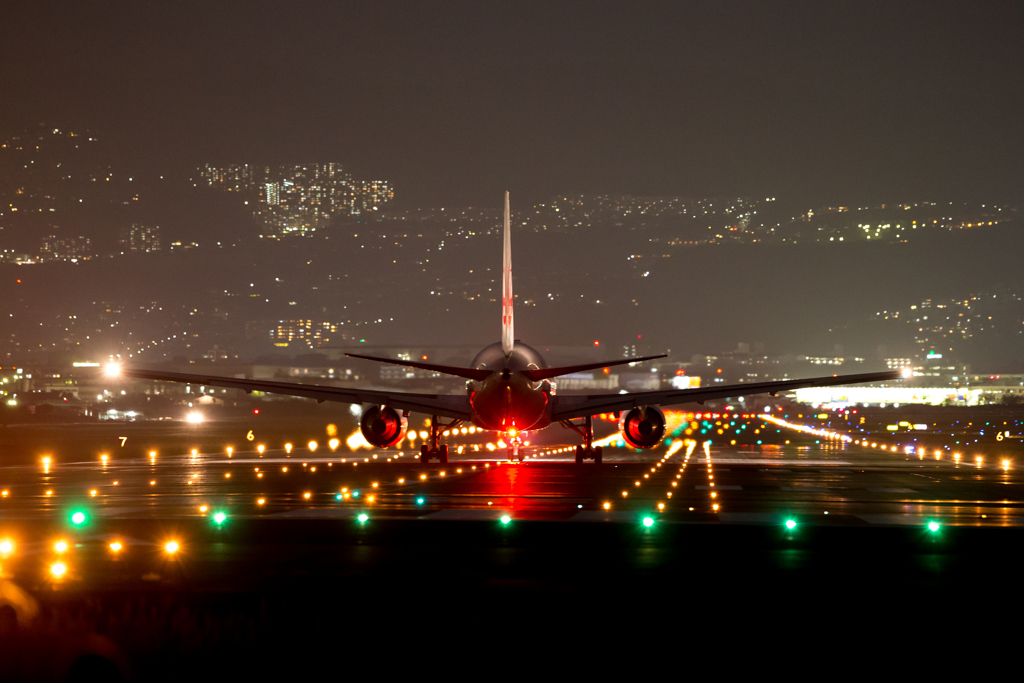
(510, 390)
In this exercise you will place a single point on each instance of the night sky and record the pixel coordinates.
(456, 101)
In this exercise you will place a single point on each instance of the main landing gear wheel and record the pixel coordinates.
(441, 454)
(433, 449)
(586, 430)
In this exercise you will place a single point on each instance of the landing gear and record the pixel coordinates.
(583, 453)
(515, 452)
(433, 450)
(515, 449)
(587, 451)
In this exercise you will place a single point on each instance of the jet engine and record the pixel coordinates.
(642, 427)
(382, 426)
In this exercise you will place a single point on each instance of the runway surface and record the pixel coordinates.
(284, 552)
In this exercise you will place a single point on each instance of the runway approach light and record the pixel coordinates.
(58, 570)
(112, 370)
(790, 524)
(933, 526)
(171, 547)
(648, 522)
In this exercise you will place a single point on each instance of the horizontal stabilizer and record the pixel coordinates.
(548, 373)
(468, 373)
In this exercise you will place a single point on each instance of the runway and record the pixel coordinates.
(818, 483)
(283, 552)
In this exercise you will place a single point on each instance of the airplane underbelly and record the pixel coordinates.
(503, 406)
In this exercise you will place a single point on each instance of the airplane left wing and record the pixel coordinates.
(444, 405)
(568, 407)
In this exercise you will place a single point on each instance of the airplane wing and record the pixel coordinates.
(568, 407)
(446, 405)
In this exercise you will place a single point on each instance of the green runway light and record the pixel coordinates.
(220, 518)
(355, 494)
(505, 519)
(933, 526)
(648, 522)
(790, 524)
(338, 497)
(420, 501)
(363, 517)
(78, 518)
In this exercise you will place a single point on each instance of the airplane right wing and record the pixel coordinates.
(445, 405)
(568, 407)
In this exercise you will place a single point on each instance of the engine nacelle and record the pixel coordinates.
(642, 427)
(383, 427)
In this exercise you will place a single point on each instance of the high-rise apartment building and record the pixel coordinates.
(139, 238)
(298, 199)
(56, 248)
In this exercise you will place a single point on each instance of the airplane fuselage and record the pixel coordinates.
(508, 400)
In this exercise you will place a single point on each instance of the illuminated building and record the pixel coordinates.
(139, 238)
(305, 333)
(55, 248)
(298, 199)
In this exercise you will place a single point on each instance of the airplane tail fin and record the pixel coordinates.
(507, 334)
